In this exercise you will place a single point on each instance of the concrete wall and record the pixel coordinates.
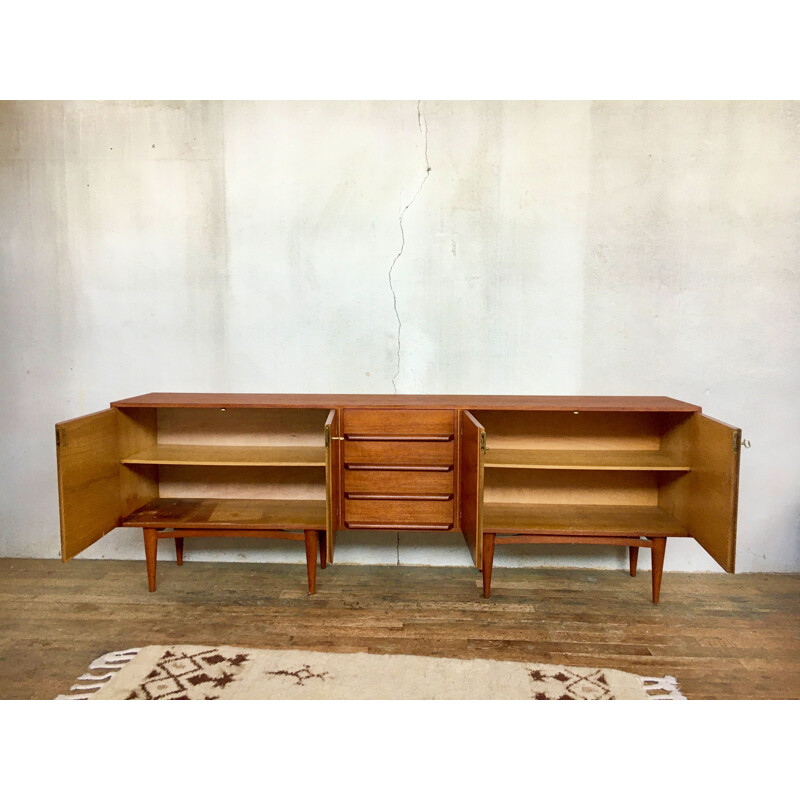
(553, 248)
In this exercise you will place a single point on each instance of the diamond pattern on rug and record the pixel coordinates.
(179, 675)
(561, 683)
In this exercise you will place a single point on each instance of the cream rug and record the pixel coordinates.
(195, 672)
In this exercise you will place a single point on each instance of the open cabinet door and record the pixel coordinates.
(87, 452)
(332, 479)
(714, 482)
(473, 439)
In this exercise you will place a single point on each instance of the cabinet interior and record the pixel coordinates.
(563, 470)
(230, 454)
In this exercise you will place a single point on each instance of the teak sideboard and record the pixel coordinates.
(499, 470)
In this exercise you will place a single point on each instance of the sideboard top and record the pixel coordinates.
(467, 401)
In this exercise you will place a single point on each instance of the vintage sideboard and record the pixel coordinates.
(497, 470)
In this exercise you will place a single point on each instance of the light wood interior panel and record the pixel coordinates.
(570, 487)
(471, 485)
(88, 479)
(706, 499)
(566, 430)
(676, 439)
(333, 480)
(250, 426)
(136, 431)
(674, 498)
(255, 483)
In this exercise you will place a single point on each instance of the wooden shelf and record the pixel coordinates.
(630, 460)
(230, 456)
(580, 519)
(229, 514)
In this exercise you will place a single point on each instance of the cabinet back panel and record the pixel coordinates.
(252, 483)
(560, 430)
(570, 487)
(251, 426)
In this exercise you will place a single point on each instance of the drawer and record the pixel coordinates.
(399, 453)
(394, 514)
(406, 423)
(383, 481)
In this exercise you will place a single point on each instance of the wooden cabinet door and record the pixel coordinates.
(333, 478)
(87, 452)
(714, 488)
(473, 438)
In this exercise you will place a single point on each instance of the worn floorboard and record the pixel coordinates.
(722, 636)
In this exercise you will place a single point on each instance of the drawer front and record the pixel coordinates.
(399, 453)
(383, 481)
(406, 422)
(393, 514)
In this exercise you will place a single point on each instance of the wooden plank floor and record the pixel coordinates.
(722, 636)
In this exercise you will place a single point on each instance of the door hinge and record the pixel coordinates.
(58, 437)
(329, 438)
(483, 441)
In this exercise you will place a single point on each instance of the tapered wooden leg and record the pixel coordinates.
(657, 552)
(311, 560)
(323, 549)
(179, 550)
(488, 558)
(150, 550)
(634, 558)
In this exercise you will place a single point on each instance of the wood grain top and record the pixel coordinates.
(475, 402)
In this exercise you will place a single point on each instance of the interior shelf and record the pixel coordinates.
(580, 519)
(229, 514)
(630, 460)
(230, 455)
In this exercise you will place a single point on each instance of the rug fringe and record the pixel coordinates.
(109, 661)
(665, 688)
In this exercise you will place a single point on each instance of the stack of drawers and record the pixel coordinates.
(399, 469)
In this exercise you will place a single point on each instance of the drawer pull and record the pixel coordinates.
(399, 437)
(374, 496)
(402, 467)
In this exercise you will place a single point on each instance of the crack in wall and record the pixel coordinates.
(423, 130)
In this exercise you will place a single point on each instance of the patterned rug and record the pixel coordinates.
(196, 672)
